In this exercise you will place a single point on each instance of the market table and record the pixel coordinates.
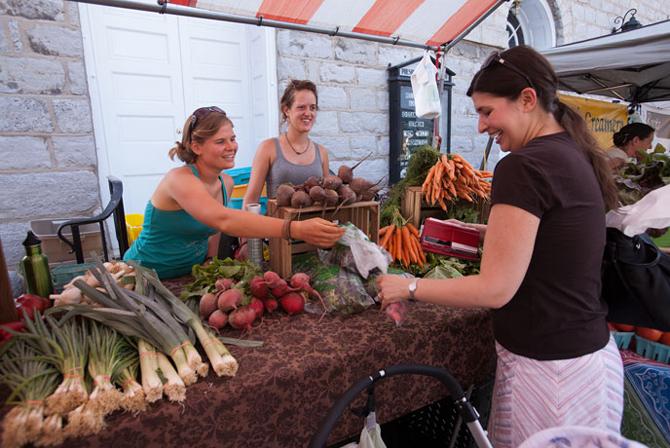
(284, 389)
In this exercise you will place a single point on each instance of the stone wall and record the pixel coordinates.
(47, 150)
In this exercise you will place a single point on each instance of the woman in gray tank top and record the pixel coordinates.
(293, 156)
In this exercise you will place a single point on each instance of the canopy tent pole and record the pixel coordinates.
(166, 8)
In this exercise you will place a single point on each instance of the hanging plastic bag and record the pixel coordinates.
(424, 88)
(371, 435)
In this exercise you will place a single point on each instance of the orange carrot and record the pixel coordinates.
(387, 236)
(412, 229)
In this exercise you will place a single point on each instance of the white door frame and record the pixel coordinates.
(102, 151)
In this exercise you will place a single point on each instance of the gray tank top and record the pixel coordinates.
(282, 171)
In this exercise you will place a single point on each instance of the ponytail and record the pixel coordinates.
(576, 127)
(183, 149)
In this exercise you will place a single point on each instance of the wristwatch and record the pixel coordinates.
(412, 288)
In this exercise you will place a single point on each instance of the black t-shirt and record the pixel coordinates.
(557, 312)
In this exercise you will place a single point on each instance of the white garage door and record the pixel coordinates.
(148, 71)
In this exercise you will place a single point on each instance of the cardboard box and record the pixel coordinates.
(58, 251)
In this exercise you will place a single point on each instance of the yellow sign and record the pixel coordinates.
(602, 118)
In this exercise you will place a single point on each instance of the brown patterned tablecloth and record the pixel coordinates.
(284, 389)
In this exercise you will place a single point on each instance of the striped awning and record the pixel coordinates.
(422, 22)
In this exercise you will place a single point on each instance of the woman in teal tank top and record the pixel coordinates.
(187, 213)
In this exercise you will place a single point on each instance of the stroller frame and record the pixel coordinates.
(467, 412)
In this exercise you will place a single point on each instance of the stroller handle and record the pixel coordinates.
(461, 402)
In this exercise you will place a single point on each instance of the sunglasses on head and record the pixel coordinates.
(201, 113)
(496, 58)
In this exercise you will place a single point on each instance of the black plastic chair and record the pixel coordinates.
(115, 208)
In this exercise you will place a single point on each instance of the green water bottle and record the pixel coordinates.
(36, 267)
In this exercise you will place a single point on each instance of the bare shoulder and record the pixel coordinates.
(227, 181)
(266, 151)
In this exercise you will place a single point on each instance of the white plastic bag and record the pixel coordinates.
(371, 435)
(652, 211)
(424, 88)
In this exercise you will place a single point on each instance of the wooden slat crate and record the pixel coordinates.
(364, 215)
(414, 208)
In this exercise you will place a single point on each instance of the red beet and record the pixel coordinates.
(257, 306)
(207, 305)
(300, 280)
(217, 319)
(229, 299)
(272, 279)
(293, 303)
(242, 318)
(281, 289)
(258, 287)
(271, 305)
(223, 284)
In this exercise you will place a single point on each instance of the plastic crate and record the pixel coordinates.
(240, 175)
(652, 350)
(55, 249)
(62, 274)
(622, 338)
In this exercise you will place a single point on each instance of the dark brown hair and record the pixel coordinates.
(501, 81)
(293, 86)
(198, 128)
(630, 131)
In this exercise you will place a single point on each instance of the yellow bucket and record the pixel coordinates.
(134, 222)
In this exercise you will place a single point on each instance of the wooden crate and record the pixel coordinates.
(414, 208)
(364, 215)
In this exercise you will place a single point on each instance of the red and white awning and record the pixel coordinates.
(419, 22)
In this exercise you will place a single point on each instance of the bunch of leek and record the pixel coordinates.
(31, 381)
(104, 361)
(66, 348)
(133, 399)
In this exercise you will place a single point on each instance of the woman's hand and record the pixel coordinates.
(481, 228)
(392, 288)
(317, 231)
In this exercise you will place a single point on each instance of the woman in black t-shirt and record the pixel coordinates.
(540, 270)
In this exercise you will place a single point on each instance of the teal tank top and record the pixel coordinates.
(172, 241)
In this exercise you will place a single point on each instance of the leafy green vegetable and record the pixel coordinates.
(205, 276)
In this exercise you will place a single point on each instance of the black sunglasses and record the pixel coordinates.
(201, 113)
(496, 58)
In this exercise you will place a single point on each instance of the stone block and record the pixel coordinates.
(55, 40)
(361, 146)
(333, 98)
(23, 114)
(326, 124)
(363, 99)
(383, 100)
(313, 69)
(58, 194)
(389, 54)
(337, 146)
(373, 169)
(290, 68)
(15, 35)
(76, 74)
(33, 9)
(75, 151)
(303, 44)
(372, 77)
(355, 51)
(364, 122)
(343, 74)
(72, 13)
(22, 152)
(12, 235)
(383, 145)
(31, 75)
(5, 43)
(461, 143)
(73, 116)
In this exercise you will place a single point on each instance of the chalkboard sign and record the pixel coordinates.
(408, 132)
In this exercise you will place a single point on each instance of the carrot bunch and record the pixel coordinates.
(452, 178)
(401, 240)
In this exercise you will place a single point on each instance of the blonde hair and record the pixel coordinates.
(198, 129)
